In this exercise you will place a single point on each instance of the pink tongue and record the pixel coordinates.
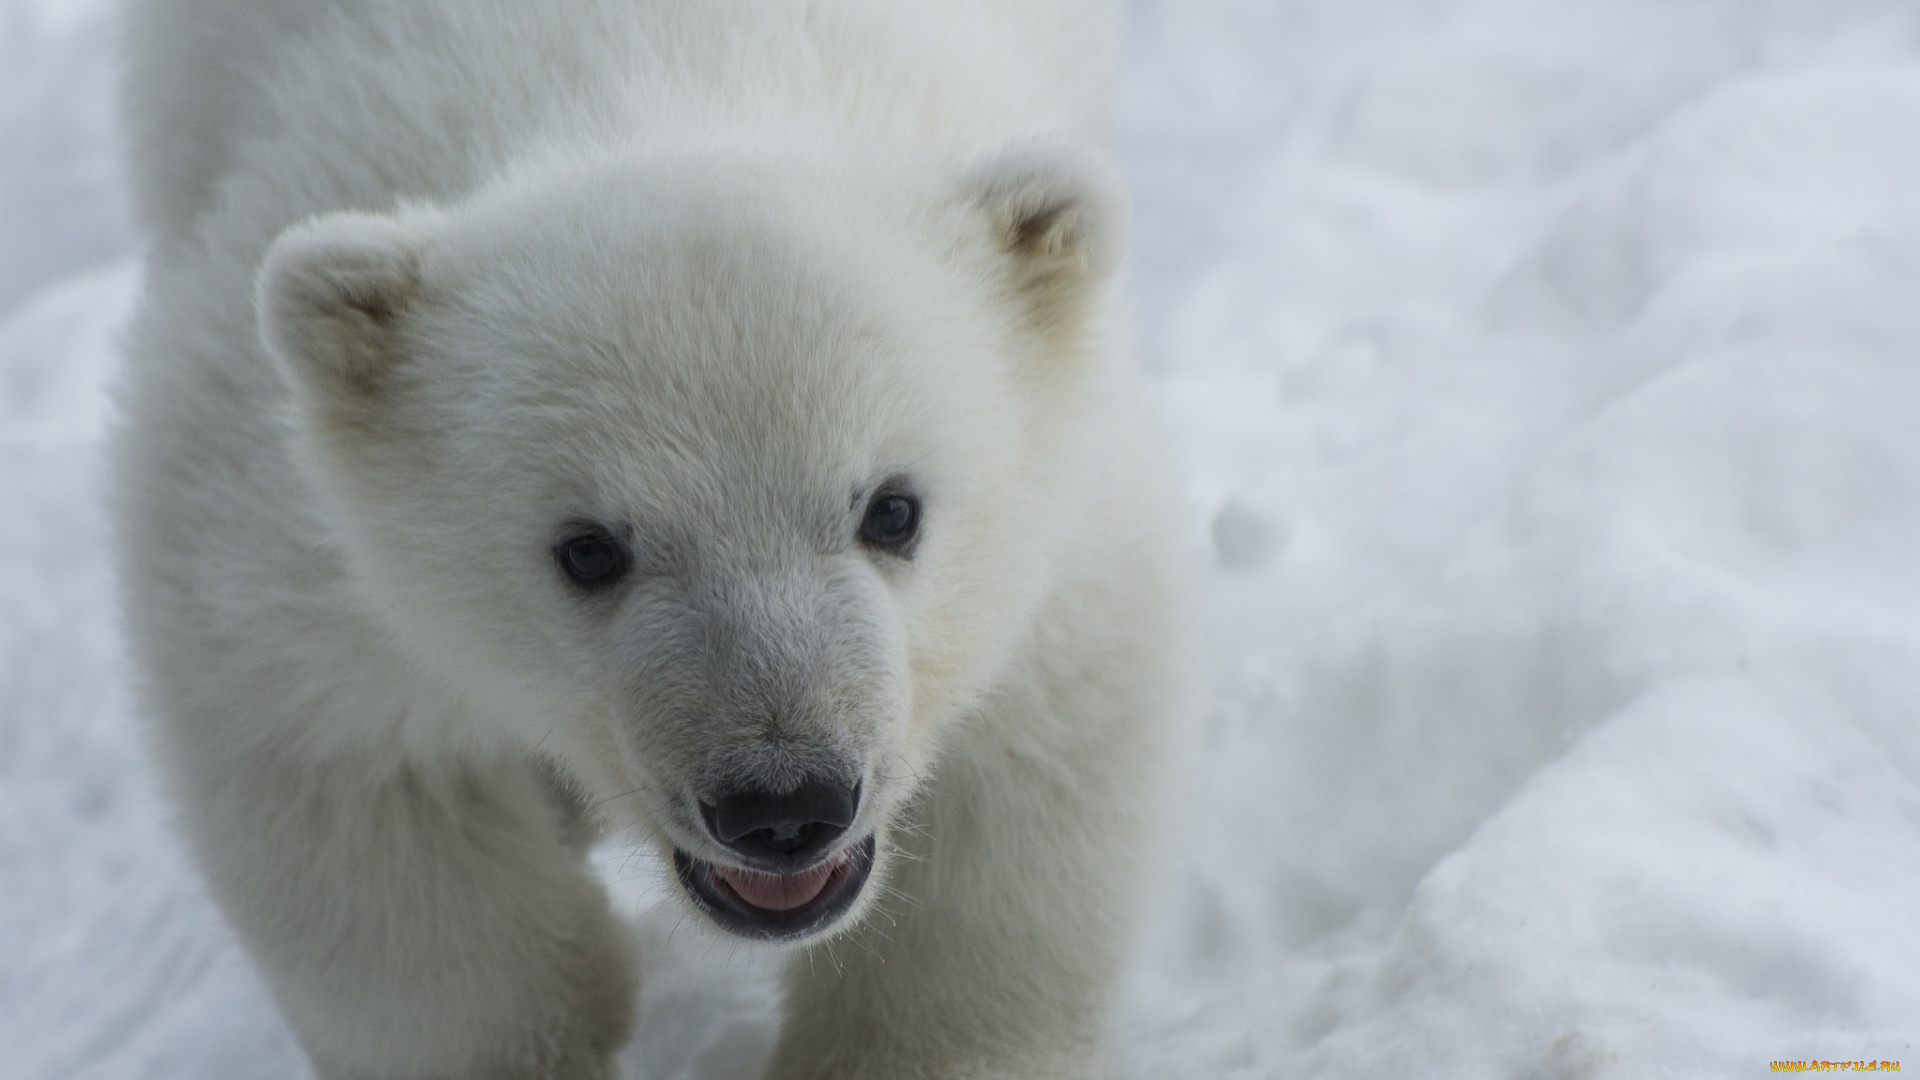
(778, 892)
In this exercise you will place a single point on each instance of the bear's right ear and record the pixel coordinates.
(1058, 214)
(330, 298)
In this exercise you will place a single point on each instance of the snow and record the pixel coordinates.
(1547, 375)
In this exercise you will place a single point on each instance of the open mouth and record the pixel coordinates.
(777, 907)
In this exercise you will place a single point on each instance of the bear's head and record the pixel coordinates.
(727, 487)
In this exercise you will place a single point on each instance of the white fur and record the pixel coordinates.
(431, 280)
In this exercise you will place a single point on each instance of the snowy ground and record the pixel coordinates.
(1549, 373)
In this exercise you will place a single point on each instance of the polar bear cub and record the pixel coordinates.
(705, 421)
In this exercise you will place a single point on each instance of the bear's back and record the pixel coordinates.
(315, 105)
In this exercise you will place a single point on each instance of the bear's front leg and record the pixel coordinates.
(992, 952)
(416, 922)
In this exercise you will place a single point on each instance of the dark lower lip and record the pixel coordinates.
(736, 916)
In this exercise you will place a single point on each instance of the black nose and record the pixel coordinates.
(784, 829)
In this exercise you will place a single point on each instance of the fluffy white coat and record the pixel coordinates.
(433, 282)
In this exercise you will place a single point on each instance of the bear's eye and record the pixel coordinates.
(892, 521)
(591, 558)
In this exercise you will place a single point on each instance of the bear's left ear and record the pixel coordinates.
(1059, 217)
(330, 298)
